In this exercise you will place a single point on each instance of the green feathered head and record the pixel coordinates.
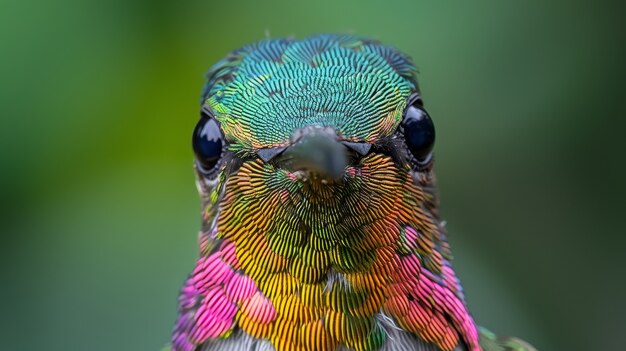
(262, 93)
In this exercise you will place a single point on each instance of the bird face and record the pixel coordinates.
(317, 110)
(314, 164)
(313, 145)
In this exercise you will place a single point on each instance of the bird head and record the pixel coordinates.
(324, 136)
(314, 165)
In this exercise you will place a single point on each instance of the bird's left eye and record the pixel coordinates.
(207, 142)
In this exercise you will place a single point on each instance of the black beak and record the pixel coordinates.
(314, 151)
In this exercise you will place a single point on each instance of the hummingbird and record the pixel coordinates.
(320, 213)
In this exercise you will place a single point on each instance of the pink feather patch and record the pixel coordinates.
(259, 309)
(215, 316)
(240, 288)
(211, 271)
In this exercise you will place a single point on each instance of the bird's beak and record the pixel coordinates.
(316, 153)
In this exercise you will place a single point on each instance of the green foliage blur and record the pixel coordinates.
(99, 212)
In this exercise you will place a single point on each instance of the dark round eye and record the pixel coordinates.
(419, 131)
(207, 142)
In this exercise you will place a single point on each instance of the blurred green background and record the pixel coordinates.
(99, 208)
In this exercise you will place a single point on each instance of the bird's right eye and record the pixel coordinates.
(207, 143)
(419, 131)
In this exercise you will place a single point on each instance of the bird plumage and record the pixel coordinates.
(291, 259)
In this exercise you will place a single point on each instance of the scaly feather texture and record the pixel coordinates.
(293, 263)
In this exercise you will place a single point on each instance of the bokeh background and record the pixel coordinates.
(99, 209)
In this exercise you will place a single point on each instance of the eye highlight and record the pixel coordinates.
(419, 131)
(207, 142)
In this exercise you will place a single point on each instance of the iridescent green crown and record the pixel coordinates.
(262, 92)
